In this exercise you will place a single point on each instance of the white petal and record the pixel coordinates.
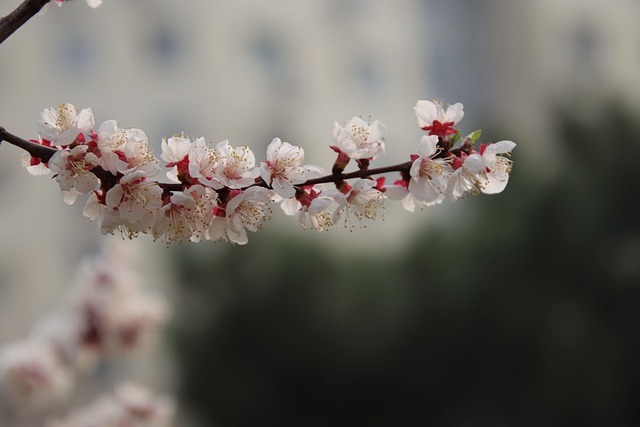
(454, 113)
(501, 147)
(474, 163)
(283, 187)
(85, 120)
(428, 145)
(426, 112)
(290, 206)
(273, 148)
(423, 190)
(240, 236)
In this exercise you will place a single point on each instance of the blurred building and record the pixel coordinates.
(251, 70)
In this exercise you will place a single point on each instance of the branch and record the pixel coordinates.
(45, 153)
(36, 150)
(10, 23)
(362, 173)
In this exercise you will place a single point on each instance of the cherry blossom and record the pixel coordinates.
(133, 202)
(466, 177)
(31, 374)
(400, 191)
(244, 210)
(175, 151)
(314, 209)
(185, 216)
(203, 164)
(362, 200)
(359, 140)
(72, 170)
(283, 168)
(131, 405)
(429, 175)
(497, 168)
(236, 167)
(220, 192)
(433, 117)
(62, 125)
(125, 150)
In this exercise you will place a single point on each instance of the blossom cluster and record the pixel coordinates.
(130, 405)
(107, 313)
(219, 191)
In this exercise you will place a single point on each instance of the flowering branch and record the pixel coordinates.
(44, 154)
(222, 192)
(10, 23)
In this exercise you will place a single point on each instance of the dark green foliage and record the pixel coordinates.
(525, 315)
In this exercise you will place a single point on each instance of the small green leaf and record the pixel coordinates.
(455, 138)
(473, 136)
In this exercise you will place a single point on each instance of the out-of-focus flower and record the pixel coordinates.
(31, 375)
(112, 310)
(91, 3)
(131, 406)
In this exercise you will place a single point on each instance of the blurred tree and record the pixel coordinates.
(524, 315)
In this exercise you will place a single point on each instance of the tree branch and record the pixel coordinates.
(45, 153)
(10, 23)
(36, 150)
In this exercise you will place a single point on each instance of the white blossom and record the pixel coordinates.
(360, 140)
(186, 216)
(362, 200)
(203, 164)
(174, 151)
(125, 150)
(236, 167)
(31, 374)
(131, 406)
(132, 204)
(428, 175)
(284, 167)
(314, 209)
(497, 168)
(246, 210)
(429, 112)
(72, 170)
(467, 178)
(62, 125)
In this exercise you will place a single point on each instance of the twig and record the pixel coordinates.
(10, 23)
(36, 150)
(45, 153)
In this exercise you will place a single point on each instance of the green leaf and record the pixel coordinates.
(473, 136)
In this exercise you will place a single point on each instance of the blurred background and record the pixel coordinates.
(518, 309)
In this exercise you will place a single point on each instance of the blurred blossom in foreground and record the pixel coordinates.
(107, 312)
(131, 406)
